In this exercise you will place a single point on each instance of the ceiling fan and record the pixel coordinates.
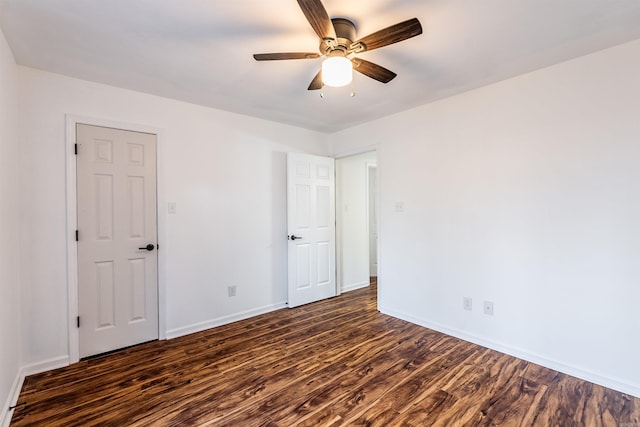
(339, 44)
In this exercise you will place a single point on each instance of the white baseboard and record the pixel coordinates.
(612, 383)
(355, 286)
(203, 326)
(45, 365)
(23, 372)
(5, 417)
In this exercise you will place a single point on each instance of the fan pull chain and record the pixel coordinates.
(352, 94)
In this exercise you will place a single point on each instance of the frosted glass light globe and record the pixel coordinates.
(337, 71)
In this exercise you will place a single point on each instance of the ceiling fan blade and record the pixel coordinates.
(372, 70)
(284, 55)
(318, 18)
(316, 83)
(393, 34)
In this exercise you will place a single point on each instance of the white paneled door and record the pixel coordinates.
(117, 238)
(311, 228)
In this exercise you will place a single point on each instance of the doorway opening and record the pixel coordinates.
(357, 221)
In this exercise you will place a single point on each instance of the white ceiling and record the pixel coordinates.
(201, 51)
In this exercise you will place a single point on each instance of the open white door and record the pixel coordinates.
(117, 260)
(311, 228)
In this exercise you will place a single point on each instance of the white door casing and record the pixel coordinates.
(116, 210)
(311, 228)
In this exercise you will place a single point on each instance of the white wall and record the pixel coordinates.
(226, 172)
(9, 237)
(351, 213)
(525, 193)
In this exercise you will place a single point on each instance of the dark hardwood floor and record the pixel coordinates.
(331, 363)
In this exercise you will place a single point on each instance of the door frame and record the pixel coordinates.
(72, 221)
(349, 153)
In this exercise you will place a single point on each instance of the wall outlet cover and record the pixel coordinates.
(487, 308)
(467, 303)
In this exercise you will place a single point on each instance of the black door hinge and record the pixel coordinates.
(78, 321)
(77, 238)
(75, 149)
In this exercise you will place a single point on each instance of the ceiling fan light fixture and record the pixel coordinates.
(338, 41)
(337, 71)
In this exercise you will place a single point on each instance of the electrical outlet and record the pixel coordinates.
(467, 303)
(488, 308)
(231, 290)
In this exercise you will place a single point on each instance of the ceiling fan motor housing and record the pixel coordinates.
(345, 35)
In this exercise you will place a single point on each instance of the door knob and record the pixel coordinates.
(149, 247)
(294, 237)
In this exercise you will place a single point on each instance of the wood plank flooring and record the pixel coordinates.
(332, 363)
